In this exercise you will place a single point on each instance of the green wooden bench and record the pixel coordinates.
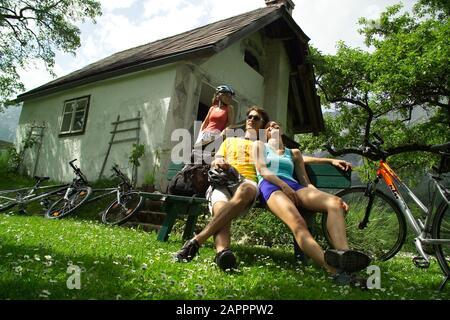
(322, 176)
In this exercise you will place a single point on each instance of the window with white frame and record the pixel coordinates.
(74, 115)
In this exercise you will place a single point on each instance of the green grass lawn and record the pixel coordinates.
(121, 263)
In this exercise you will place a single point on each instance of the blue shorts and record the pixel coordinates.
(267, 188)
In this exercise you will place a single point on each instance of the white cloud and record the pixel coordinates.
(326, 22)
(219, 10)
(158, 7)
(36, 74)
(110, 5)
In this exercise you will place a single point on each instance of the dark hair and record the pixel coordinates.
(269, 122)
(268, 126)
(264, 116)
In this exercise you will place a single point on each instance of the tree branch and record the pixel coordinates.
(390, 152)
(15, 32)
(410, 148)
(365, 107)
(352, 101)
(7, 9)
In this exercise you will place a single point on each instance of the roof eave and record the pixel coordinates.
(294, 26)
(197, 52)
(250, 29)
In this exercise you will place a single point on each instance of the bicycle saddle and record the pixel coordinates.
(41, 178)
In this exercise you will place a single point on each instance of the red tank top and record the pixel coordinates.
(217, 119)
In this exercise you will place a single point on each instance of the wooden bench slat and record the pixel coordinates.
(328, 176)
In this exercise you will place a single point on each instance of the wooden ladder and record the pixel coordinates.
(115, 131)
(37, 131)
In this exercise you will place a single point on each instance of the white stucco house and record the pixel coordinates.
(170, 82)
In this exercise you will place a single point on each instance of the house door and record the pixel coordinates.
(202, 111)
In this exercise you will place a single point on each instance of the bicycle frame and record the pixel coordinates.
(30, 196)
(106, 192)
(422, 230)
(122, 187)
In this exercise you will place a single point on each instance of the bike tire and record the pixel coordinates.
(6, 204)
(441, 230)
(63, 207)
(386, 230)
(119, 213)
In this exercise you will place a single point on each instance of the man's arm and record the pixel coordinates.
(341, 164)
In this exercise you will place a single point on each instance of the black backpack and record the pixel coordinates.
(191, 180)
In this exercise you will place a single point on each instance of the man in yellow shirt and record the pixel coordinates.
(225, 203)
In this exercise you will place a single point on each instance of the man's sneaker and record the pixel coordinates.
(343, 278)
(188, 252)
(348, 260)
(226, 260)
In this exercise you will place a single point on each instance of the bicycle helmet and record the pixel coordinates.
(218, 177)
(225, 88)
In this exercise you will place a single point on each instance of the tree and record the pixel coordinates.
(379, 90)
(32, 30)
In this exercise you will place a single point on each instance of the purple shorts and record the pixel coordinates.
(267, 188)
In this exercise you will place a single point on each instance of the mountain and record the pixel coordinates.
(8, 123)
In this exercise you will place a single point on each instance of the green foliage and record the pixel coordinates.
(33, 30)
(405, 74)
(15, 158)
(150, 177)
(261, 227)
(137, 152)
(4, 160)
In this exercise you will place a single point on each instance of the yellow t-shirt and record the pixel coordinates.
(238, 153)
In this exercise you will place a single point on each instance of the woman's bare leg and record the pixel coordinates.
(283, 208)
(316, 200)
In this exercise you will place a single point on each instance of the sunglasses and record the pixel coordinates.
(253, 117)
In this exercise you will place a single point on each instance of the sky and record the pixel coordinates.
(128, 23)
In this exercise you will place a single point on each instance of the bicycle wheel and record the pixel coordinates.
(63, 207)
(6, 202)
(385, 231)
(441, 230)
(119, 213)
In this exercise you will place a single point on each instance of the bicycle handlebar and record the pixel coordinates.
(442, 148)
(77, 171)
(374, 151)
(121, 175)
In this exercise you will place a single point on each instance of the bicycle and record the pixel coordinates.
(127, 202)
(376, 223)
(76, 194)
(23, 196)
(118, 212)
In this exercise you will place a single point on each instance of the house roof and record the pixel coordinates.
(205, 40)
(202, 41)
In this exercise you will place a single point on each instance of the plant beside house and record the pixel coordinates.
(15, 158)
(150, 177)
(149, 181)
(137, 152)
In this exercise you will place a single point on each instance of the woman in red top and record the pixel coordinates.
(220, 115)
